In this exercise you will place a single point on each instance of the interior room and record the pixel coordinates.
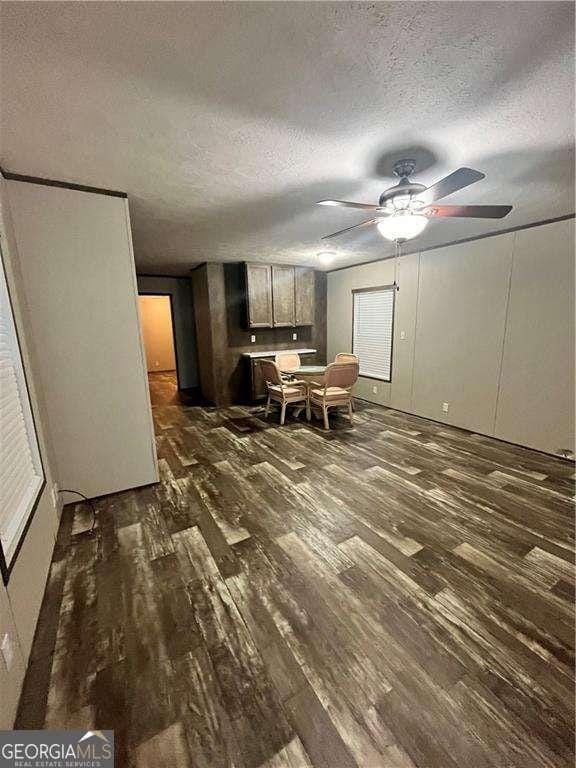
(287, 383)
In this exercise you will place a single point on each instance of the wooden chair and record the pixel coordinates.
(338, 381)
(289, 364)
(346, 357)
(282, 392)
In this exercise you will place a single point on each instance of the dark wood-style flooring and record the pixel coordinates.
(391, 595)
(164, 391)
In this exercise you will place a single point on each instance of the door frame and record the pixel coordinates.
(167, 293)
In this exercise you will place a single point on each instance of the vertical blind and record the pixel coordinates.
(373, 316)
(21, 474)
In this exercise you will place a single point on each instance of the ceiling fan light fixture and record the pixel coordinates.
(402, 226)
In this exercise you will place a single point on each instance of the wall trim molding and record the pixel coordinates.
(9, 176)
(459, 242)
(567, 459)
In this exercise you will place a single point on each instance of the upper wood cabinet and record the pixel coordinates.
(283, 296)
(279, 295)
(259, 295)
(304, 295)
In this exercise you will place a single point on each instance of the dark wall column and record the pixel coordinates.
(210, 314)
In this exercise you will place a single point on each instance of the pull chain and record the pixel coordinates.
(397, 265)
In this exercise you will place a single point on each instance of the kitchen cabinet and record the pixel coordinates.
(279, 295)
(259, 295)
(283, 296)
(304, 295)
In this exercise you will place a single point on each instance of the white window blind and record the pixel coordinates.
(21, 474)
(373, 316)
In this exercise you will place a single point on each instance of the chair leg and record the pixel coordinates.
(267, 409)
(283, 413)
(326, 422)
(350, 412)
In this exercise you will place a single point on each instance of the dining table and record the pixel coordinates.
(311, 374)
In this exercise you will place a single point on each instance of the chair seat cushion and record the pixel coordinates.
(332, 393)
(276, 389)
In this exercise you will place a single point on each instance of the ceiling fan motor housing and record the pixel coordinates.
(403, 168)
(404, 187)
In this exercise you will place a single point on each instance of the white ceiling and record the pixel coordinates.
(225, 122)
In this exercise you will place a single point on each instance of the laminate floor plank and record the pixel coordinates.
(395, 594)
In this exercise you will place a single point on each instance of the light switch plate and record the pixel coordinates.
(7, 651)
(402, 334)
(253, 339)
(294, 337)
(374, 390)
(445, 407)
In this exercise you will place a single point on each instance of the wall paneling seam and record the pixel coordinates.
(416, 308)
(505, 334)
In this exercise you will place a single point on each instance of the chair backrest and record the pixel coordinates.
(343, 375)
(270, 372)
(346, 357)
(288, 362)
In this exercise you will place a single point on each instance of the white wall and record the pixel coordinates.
(460, 320)
(488, 327)
(79, 283)
(536, 400)
(20, 600)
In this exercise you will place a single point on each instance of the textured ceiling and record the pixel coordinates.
(225, 122)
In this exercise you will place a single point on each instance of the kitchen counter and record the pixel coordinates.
(271, 353)
(254, 369)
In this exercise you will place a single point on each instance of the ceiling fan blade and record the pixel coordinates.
(469, 211)
(348, 204)
(356, 226)
(461, 178)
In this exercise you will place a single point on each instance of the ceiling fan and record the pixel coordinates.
(404, 210)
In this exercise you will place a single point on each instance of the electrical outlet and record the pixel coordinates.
(294, 337)
(252, 339)
(445, 407)
(375, 390)
(7, 651)
(55, 494)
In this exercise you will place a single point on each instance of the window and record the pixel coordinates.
(372, 328)
(21, 473)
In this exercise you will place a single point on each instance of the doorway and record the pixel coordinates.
(157, 322)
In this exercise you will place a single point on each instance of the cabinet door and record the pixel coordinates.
(283, 295)
(259, 295)
(305, 295)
